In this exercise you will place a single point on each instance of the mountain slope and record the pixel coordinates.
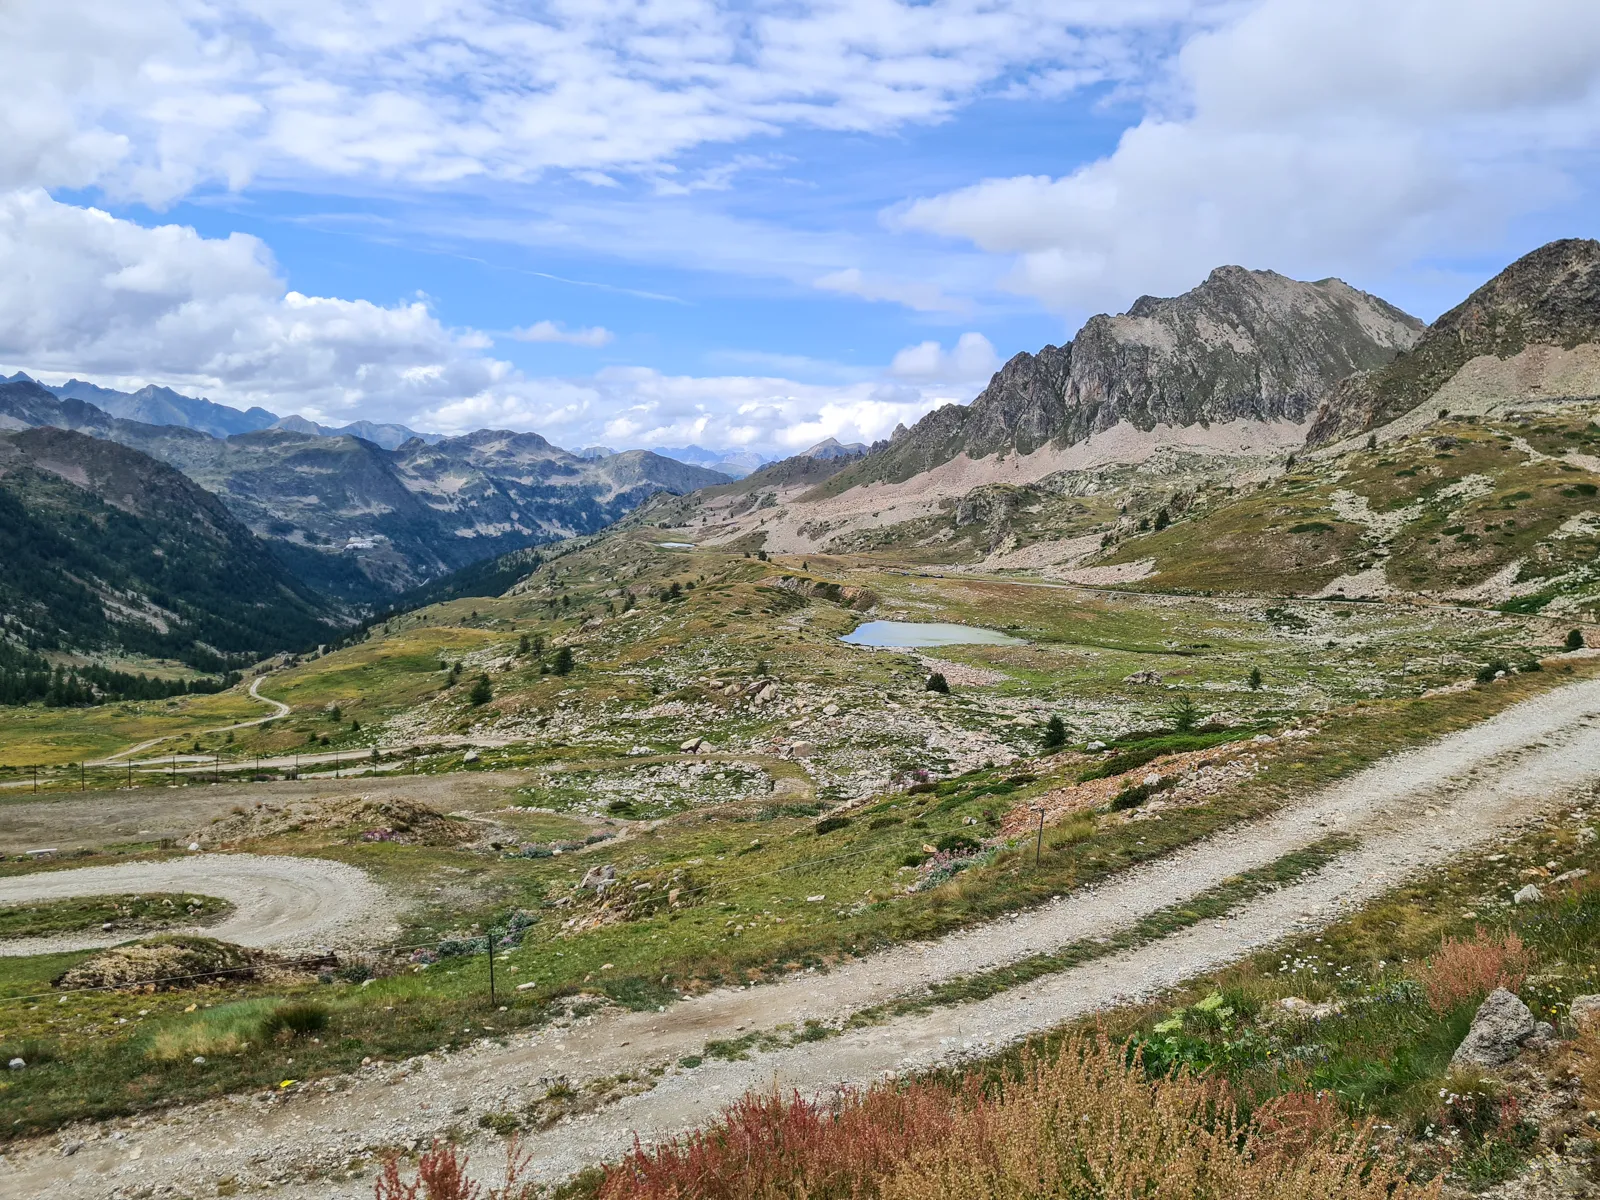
(1243, 346)
(364, 523)
(1550, 297)
(106, 548)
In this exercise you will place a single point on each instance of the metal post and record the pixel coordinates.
(490, 939)
(130, 772)
(1039, 846)
(83, 778)
(35, 779)
(336, 764)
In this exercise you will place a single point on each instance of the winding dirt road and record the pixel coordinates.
(1410, 812)
(280, 903)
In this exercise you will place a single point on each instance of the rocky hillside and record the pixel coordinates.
(1243, 346)
(1550, 297)
(109, 550)
(364, 523)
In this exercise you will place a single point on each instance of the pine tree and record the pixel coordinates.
(936, 683)
(1055, 735)
(563, 661)
(482, 691)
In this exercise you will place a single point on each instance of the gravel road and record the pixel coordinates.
(280, 903)
(1410, 812)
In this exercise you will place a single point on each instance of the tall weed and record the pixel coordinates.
(1467, 971)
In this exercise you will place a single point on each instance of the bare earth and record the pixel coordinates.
(1410, 812)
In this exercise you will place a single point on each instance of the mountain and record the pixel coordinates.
(389, 436)
(834, 448)
(162, 406)
(735, 464)
(362, 522)
(1245, 345)
(108, 549)
(1535, 313)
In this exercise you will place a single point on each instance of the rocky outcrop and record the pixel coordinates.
(1244, 345)
(1549, 297)
(1500, 1026)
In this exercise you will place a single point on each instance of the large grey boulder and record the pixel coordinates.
(1500, 1026)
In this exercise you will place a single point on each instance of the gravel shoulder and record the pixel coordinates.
(1410, 812)
(280, 903)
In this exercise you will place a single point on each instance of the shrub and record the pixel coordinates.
(442, 1175)
(1493, 668)
(482, 691)
(1467, 971)
(956, 843)
(1054, 736)
(1255, 679)
(829, 824)
(562, 663)
(936, 683)
(1086, 1123)
(1575, 639)
(298, 1018)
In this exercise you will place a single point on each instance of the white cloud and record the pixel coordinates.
(549, 331)
(117, 303)
(149, 99)
(973, 358)
(922, 296)
(1311, 137)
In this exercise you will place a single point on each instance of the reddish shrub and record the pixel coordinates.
(442, 1175)
(1463, 972)
(776, 1146)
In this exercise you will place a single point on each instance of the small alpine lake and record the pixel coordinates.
(920, 634)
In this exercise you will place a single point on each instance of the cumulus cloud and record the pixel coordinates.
(972, 358)
(121, 304)
(1310, 137)
(148, 99)
(549, 331)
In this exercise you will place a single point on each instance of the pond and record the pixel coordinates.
(908, 634)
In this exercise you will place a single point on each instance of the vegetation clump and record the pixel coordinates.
(936, 683)
(163, 963)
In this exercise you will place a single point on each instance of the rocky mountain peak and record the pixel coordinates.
(1550, 296)
(1244, 345)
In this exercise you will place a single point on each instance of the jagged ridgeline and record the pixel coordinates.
(107, 550)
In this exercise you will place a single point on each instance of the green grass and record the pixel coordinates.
(130, 914)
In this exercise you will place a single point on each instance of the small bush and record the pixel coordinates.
(1467, 971)
(298, 1018)
(936, 683)
(1575, 639)
(562, 663)
(829, 824)
(482, 691)
(956, 843)
(1255, 679)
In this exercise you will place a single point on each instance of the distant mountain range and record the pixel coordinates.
(363, 522)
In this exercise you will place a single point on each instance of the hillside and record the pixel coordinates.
(364, 523)
(106, 549)
(1547, 301)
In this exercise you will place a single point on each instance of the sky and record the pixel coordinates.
(747, 225)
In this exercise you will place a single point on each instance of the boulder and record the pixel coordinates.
(802, 749)
(1143, 677)
(1500, 1026)
(598, 879)
(1529, 894)
(1584, 1010)
(470, 756)
(691, 745)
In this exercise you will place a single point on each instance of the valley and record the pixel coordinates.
(1106, 704)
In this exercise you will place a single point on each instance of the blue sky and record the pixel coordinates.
(749, 225)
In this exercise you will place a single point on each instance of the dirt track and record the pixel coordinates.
(279, 903)
(1410, 812)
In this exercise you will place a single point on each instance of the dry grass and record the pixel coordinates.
(1087, 1122)
(1467, 971)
